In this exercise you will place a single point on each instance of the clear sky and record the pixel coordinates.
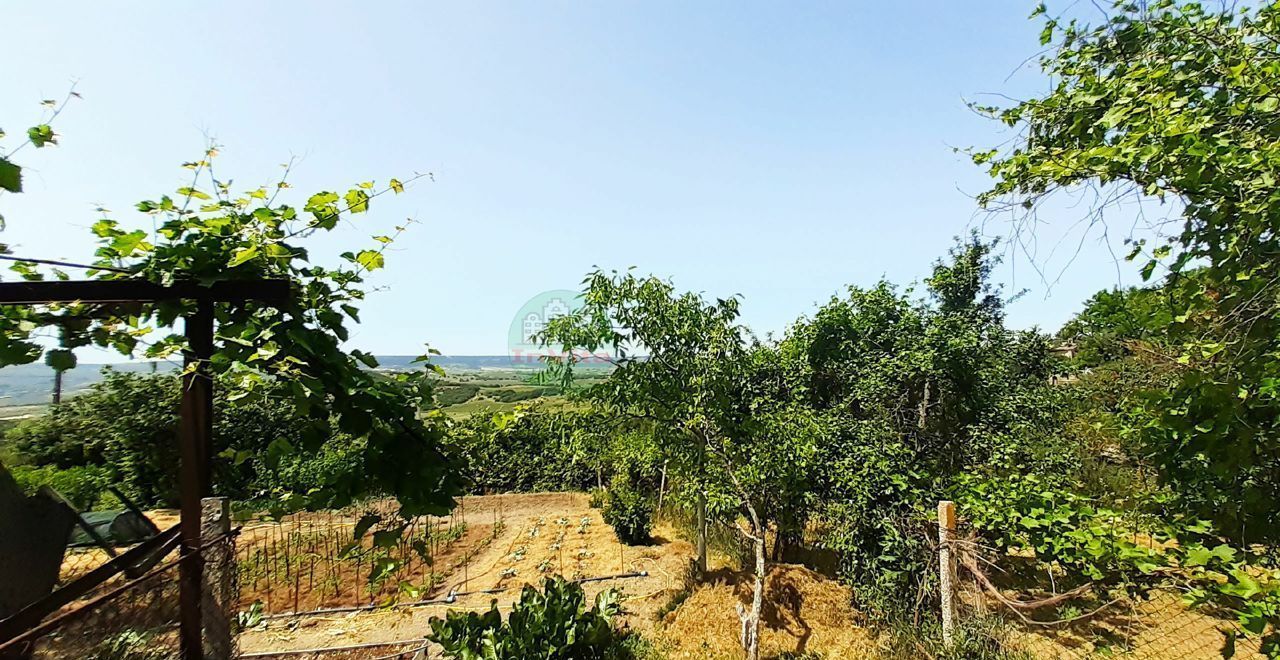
(775, 150)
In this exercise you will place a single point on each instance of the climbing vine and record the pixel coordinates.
(205, 232)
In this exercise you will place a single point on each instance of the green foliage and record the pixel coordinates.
(690, 382)
(41, 135)
(629, 512)
(60, 359)
(205, 233)
(82, 485)
(129, 645)
(537, 448)
(1112, 321)
(1174, 100)
(904, 397)
(598, 497)
(10, 176)
(1026, 513)
(125, 426)
(528, 450)
(18, 324)
(550, 623)
(452, 395)
(514, 394)
(976, 637)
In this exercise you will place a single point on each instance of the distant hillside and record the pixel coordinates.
(32, 384)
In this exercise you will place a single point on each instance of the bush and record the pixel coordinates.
(83, 486)
(598, 498)
(553, 623)
(125, 429)
(515, 394)
(452, 395)
(129, 645)
(629, 513)
(530, 450)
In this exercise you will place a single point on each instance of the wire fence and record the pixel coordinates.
(313, 561)
(416, 649)
(1038, 615)
(137, 617)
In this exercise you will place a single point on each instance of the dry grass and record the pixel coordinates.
(804, 612)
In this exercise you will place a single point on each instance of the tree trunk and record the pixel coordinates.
(57, 387)
(662, 487)
(750, 634)
(924, 406)
(702, 533)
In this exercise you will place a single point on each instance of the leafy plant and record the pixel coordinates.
(204, 233)
(597, 497)
(82, 485)
(551, 623)
(123, 428)
(629, 513)
(1175, 101)
(452, 395)
(129, 645)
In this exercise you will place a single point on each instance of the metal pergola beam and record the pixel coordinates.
(196, 427)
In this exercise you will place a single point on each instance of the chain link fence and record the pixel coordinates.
(137, 617)
(1019, 600)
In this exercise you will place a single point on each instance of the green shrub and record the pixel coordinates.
(125, 428)
(530, 450)
(128, 645)
(83, 486)
(629, 513)
(452, 395)
(599, 496)
(553, 623)
(514, 394)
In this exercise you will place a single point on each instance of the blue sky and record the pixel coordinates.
(779, 151)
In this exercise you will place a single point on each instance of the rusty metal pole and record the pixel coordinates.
(194, 434)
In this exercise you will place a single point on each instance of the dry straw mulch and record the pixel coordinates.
(804, 612)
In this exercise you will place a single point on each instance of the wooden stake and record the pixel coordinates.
(946, 567)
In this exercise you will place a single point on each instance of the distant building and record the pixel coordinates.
(1066, 350)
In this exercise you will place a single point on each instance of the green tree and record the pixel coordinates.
(1175, 101)
(125, 426)
(1114, 321)
(681, 362)
(60, 360)
(906, 395)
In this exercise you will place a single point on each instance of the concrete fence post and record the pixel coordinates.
(946, 568)
(218, 601)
